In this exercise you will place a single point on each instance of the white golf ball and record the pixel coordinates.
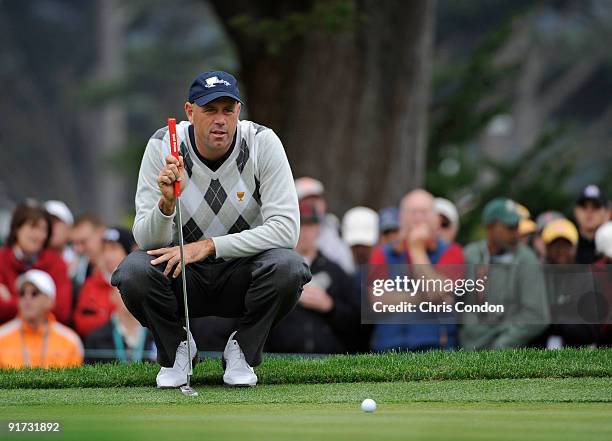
(368, 405)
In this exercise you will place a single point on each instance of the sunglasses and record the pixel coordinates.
(32, 292)
(444, 222)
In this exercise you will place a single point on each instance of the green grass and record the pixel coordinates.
(554, 390)
(500, 395)
(510, 409)
(520, 363)
(337, 422)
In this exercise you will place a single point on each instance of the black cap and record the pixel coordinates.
(592, 193)
(121, 236)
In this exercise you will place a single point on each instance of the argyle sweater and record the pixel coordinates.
(246, 206)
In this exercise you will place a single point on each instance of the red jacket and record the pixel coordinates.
(94, 307)
(49, 261)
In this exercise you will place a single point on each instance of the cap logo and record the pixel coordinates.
(510, 205)
(111, 235)
(213, 81)
(592, 191)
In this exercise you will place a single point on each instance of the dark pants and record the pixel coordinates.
(260, 289)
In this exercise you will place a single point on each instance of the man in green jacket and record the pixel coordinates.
(513, 278)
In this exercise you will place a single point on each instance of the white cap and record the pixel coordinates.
(60, 210)
(603, 239)
(308, 187)
(360, 226)
(40, 280)
(447, 208)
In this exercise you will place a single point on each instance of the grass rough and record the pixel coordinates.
(388, 367)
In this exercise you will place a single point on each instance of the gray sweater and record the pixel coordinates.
(246, 206)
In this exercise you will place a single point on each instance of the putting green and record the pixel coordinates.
(527, 409)
(425, 421)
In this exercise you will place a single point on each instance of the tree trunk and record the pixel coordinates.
(110, 118)
(350, 107)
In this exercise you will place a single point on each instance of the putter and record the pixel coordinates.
(186, 389)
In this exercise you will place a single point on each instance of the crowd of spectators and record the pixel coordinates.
(58, 308)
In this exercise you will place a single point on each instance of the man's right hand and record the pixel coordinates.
(5, 294)
(174, 170)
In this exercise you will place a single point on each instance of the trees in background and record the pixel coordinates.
(346, 86)
(519, 94)
(518, 107)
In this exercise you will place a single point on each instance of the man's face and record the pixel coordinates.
(60, 234)
(417, 209)
(504, 237)
(31, 236)
(33, 305)
(560, 251)
(447, 231)
(309, 233)
(87, 240)
(214, 124)
(361, 254)
(389, 236)
(318, 202)
(112, 255)
(590, 215)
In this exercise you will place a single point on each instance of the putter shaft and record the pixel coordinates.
(184, 283)
(187, 389)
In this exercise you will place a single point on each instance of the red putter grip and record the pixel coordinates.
(174, 151)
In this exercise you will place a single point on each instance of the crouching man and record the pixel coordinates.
(240, 222)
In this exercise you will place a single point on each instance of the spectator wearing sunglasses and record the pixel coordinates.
(449, 219)
(35, 338)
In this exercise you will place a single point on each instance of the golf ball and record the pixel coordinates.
(368, 405)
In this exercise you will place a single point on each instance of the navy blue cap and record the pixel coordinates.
(388, 219)
(121, 236)
(592, 193)
(209, 86)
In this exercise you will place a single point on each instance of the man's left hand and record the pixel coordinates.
(194, 252)
(316, 299)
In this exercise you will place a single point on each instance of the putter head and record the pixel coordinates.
(189, 391)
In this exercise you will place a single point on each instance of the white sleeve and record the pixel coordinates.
(152, 229)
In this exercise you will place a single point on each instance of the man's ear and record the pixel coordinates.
(189, 111)
(238, 107)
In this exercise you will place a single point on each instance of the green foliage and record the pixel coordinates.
(458, 114)
(466, 99)
(337, 16)
(535, 179)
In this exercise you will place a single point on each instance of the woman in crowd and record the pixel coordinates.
(27, 248)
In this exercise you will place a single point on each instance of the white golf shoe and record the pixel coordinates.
(176, 376)
(237, 370)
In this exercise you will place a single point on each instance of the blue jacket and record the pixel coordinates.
(413, 337)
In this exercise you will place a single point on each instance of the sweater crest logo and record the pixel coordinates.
(240, 195)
